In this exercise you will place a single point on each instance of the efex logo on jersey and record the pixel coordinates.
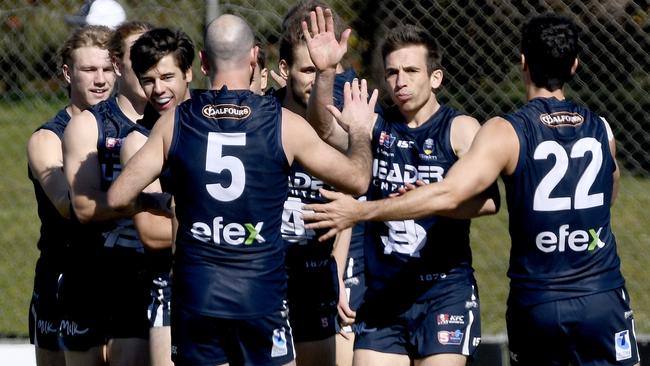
(230, 111)
(577, 240)
(232, 233)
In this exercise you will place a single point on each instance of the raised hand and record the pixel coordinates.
(325, 51)
(358, 111)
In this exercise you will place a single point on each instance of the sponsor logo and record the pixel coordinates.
(577, 240)
(279, 343)
(113, 142)
(391, 176)
(450, 338)
(71, 328)
(444, 319)
(46, 327)
(403, 144)
(561, 119)
(230, 111)
(622, 345)
(386, 139)
(428, 146)
(232, 233)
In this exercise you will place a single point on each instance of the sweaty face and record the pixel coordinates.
(91, 76)
(130, 83)
(302, 74)
(165, 84)
(409, 84)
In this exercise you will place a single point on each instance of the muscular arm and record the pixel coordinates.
(45, 157)
(494, 151)
(154, 231)
(125, 194)
(82, 170)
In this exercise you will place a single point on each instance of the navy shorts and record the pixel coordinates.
(355, 288)
(199, 340)
(159, 306)
(104, 295)
(429, 327)
(313, 293)
(595, 329)
(45, 310)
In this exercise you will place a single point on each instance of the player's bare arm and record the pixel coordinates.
(154, 231)
(326, 53)
(340, 254)
(125, 195)
(81, 167)
(471, 175)
(350, 172)
(45, 159)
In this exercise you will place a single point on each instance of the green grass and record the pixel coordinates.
(490, 242)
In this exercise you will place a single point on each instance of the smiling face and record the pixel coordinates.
(91, 76)
(409, 83)
(165, 84)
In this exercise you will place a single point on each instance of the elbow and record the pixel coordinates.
(84, 215)
(115, 202)
(361, 186)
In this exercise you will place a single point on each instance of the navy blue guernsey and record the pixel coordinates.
(407, 257)
(55, 229)
(229, 174)
(559, 200)
(113, 126)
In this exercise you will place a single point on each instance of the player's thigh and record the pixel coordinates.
(344, 349)
(443, 359)
(160, 346)
(95, 356)
(317, 353)
(128, 351)
(366, 357)
(46, 357)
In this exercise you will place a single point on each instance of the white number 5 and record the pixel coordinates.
(215, 162)
(582, 199)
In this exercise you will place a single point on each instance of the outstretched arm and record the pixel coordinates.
(125, 194)
(349, 173)
(494, 151)
(326, 53)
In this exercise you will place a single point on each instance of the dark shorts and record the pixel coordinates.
(203, 340)
(355, 287)
(596, 329)
(429, 327)
(313, 292)
(159, 306)
(104, 295)
(45, 309)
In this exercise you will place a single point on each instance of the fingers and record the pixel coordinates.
(373, 99)
(330, 195)
(320, 19)
(328, 235)
(329, 20)
(343, 43)
(305, 31)
(334, 112)
(313, 21)
(279, 79)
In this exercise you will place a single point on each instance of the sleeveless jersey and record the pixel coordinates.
(113, 126)
(559, 204)
(409, 256)
(229, 174)
(55, 229)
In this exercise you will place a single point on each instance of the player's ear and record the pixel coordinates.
(116, 65)
(254, 51)
(435, 79)
(264, 78)
(66, 73)
(205, 65)
(284, 68)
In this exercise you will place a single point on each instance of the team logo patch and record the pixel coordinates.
(450, 338)
(622, 345)
(428, 146)
(279, 343)
(113, 142)
(229, 111)
(444, 319)
(386, 139)
(561, 119)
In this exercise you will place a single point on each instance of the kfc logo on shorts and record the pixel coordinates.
(450, 338)
(444, 319)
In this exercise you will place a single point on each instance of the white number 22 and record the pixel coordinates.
(582, 200)
(216, 162)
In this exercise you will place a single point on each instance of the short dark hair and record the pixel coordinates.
(292, 26)
(122, 32)
(411, 35)
(550, 45)
(158, 43)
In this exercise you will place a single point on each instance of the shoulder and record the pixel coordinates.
(42, 139)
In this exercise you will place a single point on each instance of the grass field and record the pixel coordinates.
(490, 241)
